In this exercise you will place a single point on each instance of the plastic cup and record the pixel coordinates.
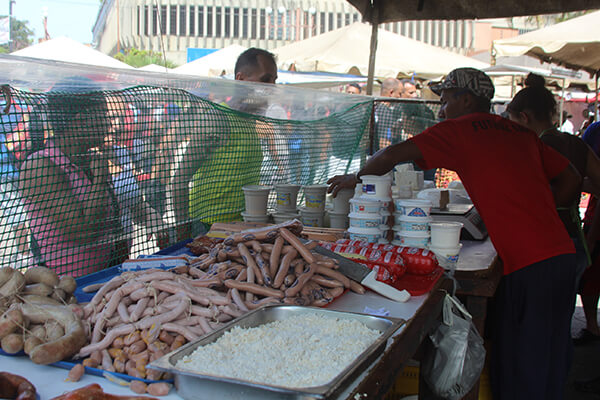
(338, 220)
(314, 197)
(445, 234)
(256, 197)
(341, 203)
(287, 195)
(312, 217)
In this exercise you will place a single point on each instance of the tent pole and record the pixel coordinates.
(373, 50)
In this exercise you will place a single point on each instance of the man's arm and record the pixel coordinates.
(566, 186)
(591, 183)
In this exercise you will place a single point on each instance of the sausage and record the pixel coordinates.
(264, 269)
(16, 387)
(264, 233)
(13, 285)
(138, 387)
(326, 281)
(159, 389)
(357, 287)
(294, 241)
(76, 373)
(333, 274)
(41, 275)
(275, 254)
(12, 343)
(300, 281)
(254, 288)
(250, 262)
(284, 268)
(40, 289)
(11, 321)
(237, 299)
(68, 284)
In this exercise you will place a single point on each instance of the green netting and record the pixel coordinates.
(89, 179)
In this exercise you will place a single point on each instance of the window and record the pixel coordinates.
(355, 18)
(200, 20)
(339, 20)
(245, 22)
(192, 20)
(280, 23)
(263, 23)
(163, 20)
(227, 22)
(254, 23)
(347, 20)
(209, 21)
(218, 21)
(448, 31)
(305, 25)
(440, 34)
(322, 22)
(330, 26)
(155, 20)
(139, 11)
(236, 22)
(146, 11)
(182, 20)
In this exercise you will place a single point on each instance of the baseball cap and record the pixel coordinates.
(472, 79)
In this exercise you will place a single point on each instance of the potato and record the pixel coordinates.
(39, 289)
(67, 283)
(13, 285)
(12, 343)
(41, 275)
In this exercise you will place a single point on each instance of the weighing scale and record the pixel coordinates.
(474, 229)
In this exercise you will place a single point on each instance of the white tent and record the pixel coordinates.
(574, 43)
(214, 63)
(69, 50)
(347, 49)
(154, 68)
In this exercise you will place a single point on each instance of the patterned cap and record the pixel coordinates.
(467, 78)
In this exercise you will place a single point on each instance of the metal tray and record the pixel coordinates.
(192, 386)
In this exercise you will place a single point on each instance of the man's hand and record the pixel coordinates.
(340, 182)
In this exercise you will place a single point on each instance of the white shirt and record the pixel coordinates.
(567, 127)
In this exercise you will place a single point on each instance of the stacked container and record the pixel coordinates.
(338, 215)
(369, 209)
(256, 198)
(313, 212)
(411, 222)
(445, 242)
(286, 209)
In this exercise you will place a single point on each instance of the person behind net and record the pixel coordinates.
(71, 209)
(217, 177)
(507, 172)
(386, 120)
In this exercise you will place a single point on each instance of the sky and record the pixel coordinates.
(71, 18)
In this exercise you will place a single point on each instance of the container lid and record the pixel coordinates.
(412, 234)
(414, 202)
(255, 188)
(245, 214)
(364, 200)
(450, 225)
(359, 215)
(315, 187)
(288, 186)
(366, 231)
(376, 197)
(408, 218)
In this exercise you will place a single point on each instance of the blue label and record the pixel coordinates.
(368, 188)
(417, 212)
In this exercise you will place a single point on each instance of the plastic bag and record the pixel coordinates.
(455, 363)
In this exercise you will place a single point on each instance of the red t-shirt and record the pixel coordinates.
(506, 170)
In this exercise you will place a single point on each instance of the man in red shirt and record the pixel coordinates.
(516, 183)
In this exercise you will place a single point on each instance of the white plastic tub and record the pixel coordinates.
(447, 257)
(364, 205)
(411, 238)
(255, 218)
(311, 217)
(281, 217)
(445, 234)
(256, 197)
(370, 235)
(366, 220)
(412, 224)
(376, 186)
(413, 207)
(287, 196)
(341, 202)
(314, 197)
(338, 220)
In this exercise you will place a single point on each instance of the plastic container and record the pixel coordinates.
(412, 224)
(413, 207)
(366, 220)
(314, 197)
(287, 196)
(338, 220)
(447, 257)
(255, 218)
(376, 186)
(370, 235)
(410, 238)
(364, 205)
(280, 217)
(256, 197)
(341, 203)
(402, 192)
(312, 217)
(445, 234)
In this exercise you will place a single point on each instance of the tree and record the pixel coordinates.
(21, 35)
(139, 58)
(540, 21)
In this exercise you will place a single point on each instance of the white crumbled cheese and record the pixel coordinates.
(297, 352)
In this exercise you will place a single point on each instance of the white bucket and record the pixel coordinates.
(281, 217)
(338, 220)
(341, 202)
(314, 197)
(286, 197)
(445, 234)
(411, 238)
(256, 197)
(447, 257)
(366, 220)
(412, 224)
(364, 205)
(371, 235)
(413, 207)
(312, 217)
(376, 186)
(255, 218)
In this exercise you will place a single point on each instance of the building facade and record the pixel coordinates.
(173, 26)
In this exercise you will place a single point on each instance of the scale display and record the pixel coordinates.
(473, 226)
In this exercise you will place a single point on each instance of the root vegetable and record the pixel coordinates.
(76, 373)
(12, 343)
(41, 275)
(67, 283)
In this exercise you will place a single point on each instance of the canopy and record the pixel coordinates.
(379, 11)
(154, 68)
(347, 49)
(69, 50)
(574, 43)
(214, 63)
